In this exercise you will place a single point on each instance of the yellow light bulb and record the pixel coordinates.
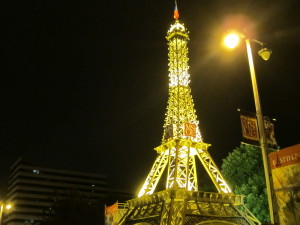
(231, 40)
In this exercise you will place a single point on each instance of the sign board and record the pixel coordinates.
(285, 165)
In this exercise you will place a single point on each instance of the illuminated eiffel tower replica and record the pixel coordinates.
(182, 203)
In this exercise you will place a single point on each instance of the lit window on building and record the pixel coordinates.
(36, 171)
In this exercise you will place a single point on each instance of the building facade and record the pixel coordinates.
(33, 189)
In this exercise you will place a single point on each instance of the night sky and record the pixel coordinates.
(84, 84)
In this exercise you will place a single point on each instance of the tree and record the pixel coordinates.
(243, 170)
(75, 209)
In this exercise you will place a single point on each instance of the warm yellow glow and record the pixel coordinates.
(231, 40)
(8, 207)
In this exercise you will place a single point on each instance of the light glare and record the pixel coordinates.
(231, 40)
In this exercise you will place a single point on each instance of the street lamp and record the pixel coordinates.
(231, 41)
(6, 206)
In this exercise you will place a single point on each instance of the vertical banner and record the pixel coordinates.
(249, 128)
(285, 165)
(270, 133)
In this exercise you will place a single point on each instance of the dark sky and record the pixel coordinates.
(84, 84)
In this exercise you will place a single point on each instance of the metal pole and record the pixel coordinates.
(1, 211)
(261, 129)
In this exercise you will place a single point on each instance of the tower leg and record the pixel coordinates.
(213, 171)
(155, 173)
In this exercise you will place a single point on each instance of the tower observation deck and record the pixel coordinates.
(181, 202)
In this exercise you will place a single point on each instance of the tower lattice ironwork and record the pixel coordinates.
(182, 203)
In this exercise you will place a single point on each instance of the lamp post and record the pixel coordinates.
(231, 41)
(7, 206)
(1, 211)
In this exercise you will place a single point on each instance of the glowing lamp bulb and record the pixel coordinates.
(231, 40)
